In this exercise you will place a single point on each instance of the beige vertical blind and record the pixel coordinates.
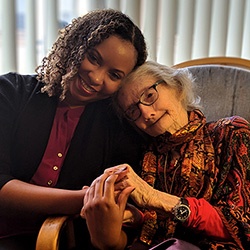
(30, 36)
(51, 22)
(219, 28)
(167, 16)
(132, 8)
(149, 25)
(8, 36)
(235, 27)
(185, 28)
(175, 30)
(246, 32)
(202, 24)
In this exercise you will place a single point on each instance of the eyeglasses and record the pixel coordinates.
(148, 97)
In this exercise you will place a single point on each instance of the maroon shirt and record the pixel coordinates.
(62, 131)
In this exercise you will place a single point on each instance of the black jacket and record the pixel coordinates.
(26, 118)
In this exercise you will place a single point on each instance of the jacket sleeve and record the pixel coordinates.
(14, 93)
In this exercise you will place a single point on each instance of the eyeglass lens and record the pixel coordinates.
(147, 98)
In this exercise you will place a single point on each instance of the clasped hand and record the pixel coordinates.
(105, 205)
(142, 192)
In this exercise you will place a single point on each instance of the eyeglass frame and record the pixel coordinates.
(141, 102)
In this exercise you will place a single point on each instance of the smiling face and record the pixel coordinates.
(101, 71)
(165, 114)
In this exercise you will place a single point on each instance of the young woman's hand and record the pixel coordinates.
(104, 212)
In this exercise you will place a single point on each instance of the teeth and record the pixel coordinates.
(88, 88)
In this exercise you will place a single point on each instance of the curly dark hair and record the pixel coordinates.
(85, 32)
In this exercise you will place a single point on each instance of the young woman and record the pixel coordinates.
(58, 131)
(195, 182)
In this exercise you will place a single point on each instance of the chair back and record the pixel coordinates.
(224, 89)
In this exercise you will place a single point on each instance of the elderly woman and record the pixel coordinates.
(194, 185)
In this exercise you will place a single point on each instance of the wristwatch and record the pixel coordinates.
(181, 211)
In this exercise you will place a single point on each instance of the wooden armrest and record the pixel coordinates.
(51, 231)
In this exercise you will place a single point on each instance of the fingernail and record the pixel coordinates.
(120, 170)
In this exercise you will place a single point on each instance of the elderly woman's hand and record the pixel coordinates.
(143, 195)
(143, 192)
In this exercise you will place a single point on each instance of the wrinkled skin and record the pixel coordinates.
(143, 194)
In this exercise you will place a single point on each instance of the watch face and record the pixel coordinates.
(181, 212)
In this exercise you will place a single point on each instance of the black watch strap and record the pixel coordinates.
(184, 201)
